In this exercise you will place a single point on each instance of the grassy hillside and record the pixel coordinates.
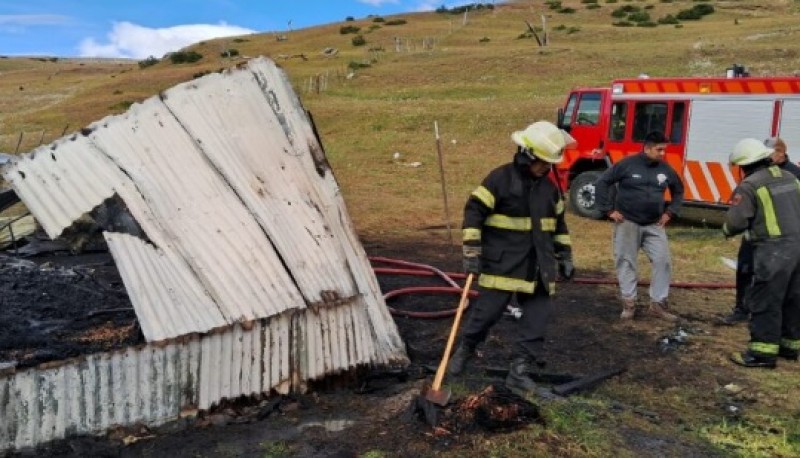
(480, 80)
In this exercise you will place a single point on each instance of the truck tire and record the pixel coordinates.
(581, 194)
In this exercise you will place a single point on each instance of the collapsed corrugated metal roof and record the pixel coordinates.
(241, 215)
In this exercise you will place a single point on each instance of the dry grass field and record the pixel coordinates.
(480, 79)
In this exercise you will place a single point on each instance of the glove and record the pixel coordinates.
(472, 259)
(566, 269)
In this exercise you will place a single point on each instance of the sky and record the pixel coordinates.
(137, 29)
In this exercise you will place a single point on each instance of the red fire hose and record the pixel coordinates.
(423, 270)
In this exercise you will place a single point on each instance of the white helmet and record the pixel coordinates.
(544, 140)
(749, 151)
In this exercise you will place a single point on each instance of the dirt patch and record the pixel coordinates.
(369, 411)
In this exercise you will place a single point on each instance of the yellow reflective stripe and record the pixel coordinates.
(551, 288)
(774, 171)
(769, 212)
(563, 239)
(484, 195)
(548, 224)
(507, 283)
(790, 344)
(560, 207)
(471, 234)
(509, 222)
(764, 348)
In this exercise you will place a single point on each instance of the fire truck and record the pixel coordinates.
(703, 118)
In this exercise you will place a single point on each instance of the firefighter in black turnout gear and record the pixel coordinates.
(515, 237)
(766, 208)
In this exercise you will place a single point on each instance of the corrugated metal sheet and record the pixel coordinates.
(225, 176)
(153, 383)
(249, 250)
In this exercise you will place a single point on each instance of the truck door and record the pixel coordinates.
(582, 116)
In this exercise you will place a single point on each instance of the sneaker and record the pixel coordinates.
(659, 309)
(735, 317)
(788, 353)
(750, 359)
(628, 309)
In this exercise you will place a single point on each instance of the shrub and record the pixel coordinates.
(668, 19)
(572, 30)
(359, 40)
(150, 61)
(345, 29)
(641, 16)
(553, 4)
(484, 40)
(349, 19)
(566, 10)
(231, 52)
(121, 106)
(355, 65)
(379, 19)
(374, 27)
(689, 15)
(593, 6)
(622, 24)
(240, 40)
(184, 57)
(396, 22)
(704, 9)
(586, 2)
(611, 1)
(199, 74)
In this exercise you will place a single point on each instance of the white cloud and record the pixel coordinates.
(378, 2)
(138, 42)
(32, 19)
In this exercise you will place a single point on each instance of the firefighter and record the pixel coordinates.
(744, 259)
(766, 208)
(640, 213)
(516, 238)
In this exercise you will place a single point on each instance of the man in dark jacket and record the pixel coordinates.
(766, 208)
(744, 259)
(515, 236)
(640, 213)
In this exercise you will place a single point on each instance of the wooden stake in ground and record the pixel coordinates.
(444, 186)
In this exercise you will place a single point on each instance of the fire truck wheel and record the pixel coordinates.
(581, 194)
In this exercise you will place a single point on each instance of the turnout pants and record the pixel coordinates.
(530, 328)
(629, 237)
(774, 296)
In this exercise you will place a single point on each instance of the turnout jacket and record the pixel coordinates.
(640, 193)
(765, 205)
(519, 222)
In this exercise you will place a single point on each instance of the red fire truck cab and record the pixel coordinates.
(703, 118)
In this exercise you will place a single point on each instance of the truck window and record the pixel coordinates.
(619, 116)
(649, 116)
(573, 99)
(588, 109)
(676, 126)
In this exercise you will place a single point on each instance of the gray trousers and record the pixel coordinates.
(652, 239)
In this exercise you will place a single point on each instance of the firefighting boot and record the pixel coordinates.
(659, 309)
(628, 308)
(788, 353)
(518, 380)
(750, 358)
(463, 354)
(738, 315)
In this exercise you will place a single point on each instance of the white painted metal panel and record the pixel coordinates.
(717, 125)
(266, 161)
(789, 129)
(168, 298)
